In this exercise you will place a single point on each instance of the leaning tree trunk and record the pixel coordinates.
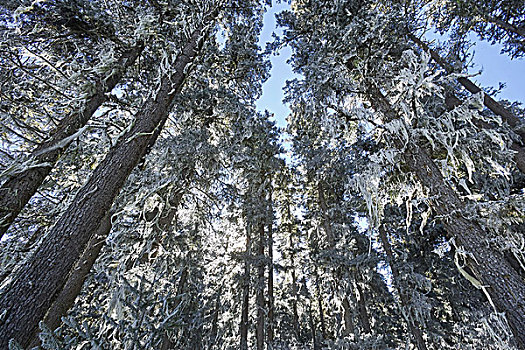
(65, 300)
(413, 324)
(18, 190)
(497, 277)
(36, 286)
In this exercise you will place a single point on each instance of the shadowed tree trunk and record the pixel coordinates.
(36, 286)
(243, 329)
(348, 315)
(18, 190)
(496, 276)
(361, 306)
(270, 286)
(259, 329)
(413, 324)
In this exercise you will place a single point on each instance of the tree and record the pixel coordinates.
(72, 232)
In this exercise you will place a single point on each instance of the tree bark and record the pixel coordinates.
(243, 329)
(75, 281)
(259, 329)
(498, 278)
(361, 306)
(270, 286)
(489, 102)
(348, 315)
(18, 190)
(413, 324)
(36, 286)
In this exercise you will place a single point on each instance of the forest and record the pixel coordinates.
(147, 203)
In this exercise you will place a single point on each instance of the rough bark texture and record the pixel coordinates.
(489, 102)
(18, 190)
(36, 286)
(259, 329)
(413, 325)
(75, 281)
(502, 282)
(243, 329)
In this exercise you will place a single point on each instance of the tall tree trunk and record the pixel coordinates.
(259, 329)
(320, 306)
(361, 306)
(66, 298)
(270, 286)
(215, 320)
(295, 288)
(348, 315)
(243, 329)
(166, 341)
(324, 215)
(312, 326)
(497, 277)
(413, 324)
(18, 190)
(489, 102)
(36, 286)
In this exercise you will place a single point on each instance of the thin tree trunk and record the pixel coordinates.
(243, 329)
(349, 324)
(361, 306)
(320, 306)
(270, 286)
(499, 279)
(36, 286)
(504, 25)
(18, 190)
(259, 329)
(312, 326)
(215, 320)
(489, 102)
(295, 288)
(166, 341)
(324, 215)
(413, 324)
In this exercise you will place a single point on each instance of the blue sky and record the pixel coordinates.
(495, 68)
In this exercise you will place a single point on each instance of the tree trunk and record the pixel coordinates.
(498, 278)
(243, 329)
(270, 286)
(215, 320)
(259, 329)
(504, 25)
(166, 341)
(75, 281)
(312, 326)
(361, 306)
(320, 306)
(489, 102)
(18, 190)
(36, 286)
(413, 324)
(348, 315)
(295, 288)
